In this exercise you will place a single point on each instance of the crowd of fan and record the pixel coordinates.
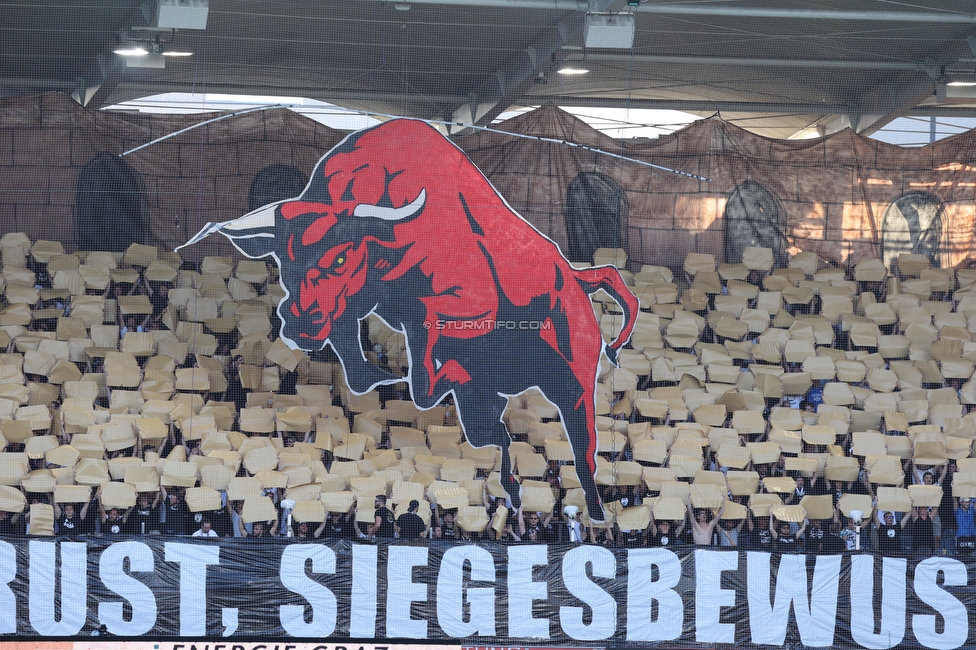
(802, 408)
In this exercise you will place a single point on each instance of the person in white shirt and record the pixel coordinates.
(205, 530)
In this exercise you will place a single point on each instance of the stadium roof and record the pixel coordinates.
(781, 68)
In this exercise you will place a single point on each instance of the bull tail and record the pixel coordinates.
(608, 278)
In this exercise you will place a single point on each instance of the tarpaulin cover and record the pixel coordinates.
(491, 594)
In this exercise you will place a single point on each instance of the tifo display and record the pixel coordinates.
(410, 416)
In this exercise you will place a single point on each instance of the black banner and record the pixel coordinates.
(484, 594)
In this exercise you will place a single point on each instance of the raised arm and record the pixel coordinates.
(318, 531)
(803, 526)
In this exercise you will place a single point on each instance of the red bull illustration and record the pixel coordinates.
(396, 221)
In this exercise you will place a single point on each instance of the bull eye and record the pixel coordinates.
(340, 261)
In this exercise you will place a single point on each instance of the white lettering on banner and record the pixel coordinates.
(471, 591)
(815, 618)
(522, 591)
(140, 597)
(320, 598)
(892, 601)
(8, 602)
(604, 621)
(74, 588)
(710, 598)
(193, 560)
(401, 591)
(643, 592)
(953, 612)
(362, 613)
(452, 596)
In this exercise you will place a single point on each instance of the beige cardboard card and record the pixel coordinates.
(841, 468)
(655, 476)
(13, 467)
(742, 483)
(72, 493)
(930, 453)
(42, 480)
(11, 499)
(764, 452)
(925, 495)
(15, 430)
(635, 518)
(272, 479)
(258, 508)
(217, 477)
(179, 473)
(804, 466)
(818, 507)
(37, 446)
(472, 518)
(42, 519)
(309, 511)
(868, 443)
(257, 420)
(788, 513)
(144, 478)
(669, 508)
(781, 485)
(538, 499)
(760, 504)
(855, 502)
(337, 501)
(894, 499)
(118, 495)
(283, 355)
(886, 470)
(707, 495)
(202, 499)
(365, 515)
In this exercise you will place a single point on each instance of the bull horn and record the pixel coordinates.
(392, 214)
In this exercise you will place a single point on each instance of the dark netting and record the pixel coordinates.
(275, 183)
(754, 217)
(912, 224)
(596, 215)
(111, 205)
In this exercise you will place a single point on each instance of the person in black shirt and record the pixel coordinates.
(833, 543)
(409, 525)
(235, 390)
(69, 521)
(337, 525)
(925, 535)
(9, 524)
(177, 514)
(448, 527)
(663, 533)
(383, 523)
(112, 521)
(889, 533)
(815, 537)
(783, 541)
(144, 517)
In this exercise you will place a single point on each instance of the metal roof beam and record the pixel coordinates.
(496, 93)
(741, 61)
(100, 78)
(730, 12)
(883, 103)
